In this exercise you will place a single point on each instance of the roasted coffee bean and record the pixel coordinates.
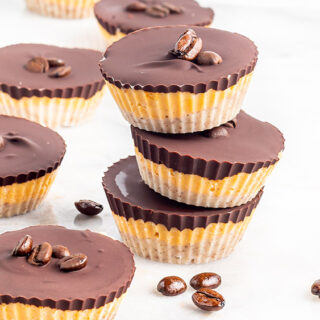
(37, 65)
(158, 11)
(188, 46)
(73, 263)
(136, 6)
(171, 286)
(41, 254)
(172, 8)
(55, 62)
(205, 280)
(60, 72)
(208, 299)
(215, 132)
(88, 207)
(23, 247)
(315, 289)
(231, 124)
(59, 251)
(208, 58)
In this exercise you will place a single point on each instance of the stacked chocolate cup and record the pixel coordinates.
(201, 162)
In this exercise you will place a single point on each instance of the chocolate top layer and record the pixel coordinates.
(142, 61)
(248, 147)
(113, 16)
(107, 275)
(84, 80)
(29, 150)
(129, 196)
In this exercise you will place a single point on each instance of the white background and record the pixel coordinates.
(270, 274)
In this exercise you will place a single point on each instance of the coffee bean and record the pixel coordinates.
(60, 72)
(55, 62)
(73, 263)
(215, 132)
(208, 299)
(41, 254)
(208, 58)
(172, 8)
(231, 124)
(37, 65)
(315, 289)
(88, 207)
(188, 46)
(59, 251)
(171, 286)
(205, 280)
(136, 6)
(158, 11)
(23, 247)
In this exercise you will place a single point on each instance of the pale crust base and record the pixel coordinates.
(19, 311)
(69, 9)
(180, 112)
(20, 198)
(193, 189)
(201, 245)
(51, 112)
(111, 38)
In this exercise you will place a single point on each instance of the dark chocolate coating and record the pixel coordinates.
(107, 275)
(30, 150)
(142, 61)
(113, 16)
(130, 197)
(83, 82)
(253, 144)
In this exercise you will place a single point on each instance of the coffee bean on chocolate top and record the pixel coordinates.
(158, 11)
(55, 62)
(73, 263)
(208, 58)
(188, 46)
(88, 207)
(136, 6)
(59, 251)
(41, 254)
(315, 289)
(172, 8)
(37, 65)
(60, 72)
(205, 280)
(23, 247)
(208, 299)
(215, 132)
(171, 286)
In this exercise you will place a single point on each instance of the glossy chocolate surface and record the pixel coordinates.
(29, 150)
(253, 144)
(142, 61)
(83, 82)
(107, 275)
(130, 197)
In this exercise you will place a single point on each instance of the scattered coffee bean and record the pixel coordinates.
(60, 72)
(2, 142)
(205, 280)
(41, 254)
(24, 246)
(172, 8)
(88, 207)
(208, 299)
(208, 58)
(215, 132)
(231, 124)
(37, 65)
(73, 263)
(158, 11)
(315, 289)
(171, 286)
(136, 6)
(55, 62)
(188, 46)
(59, 251)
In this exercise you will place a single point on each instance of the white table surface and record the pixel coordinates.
(270, 273)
